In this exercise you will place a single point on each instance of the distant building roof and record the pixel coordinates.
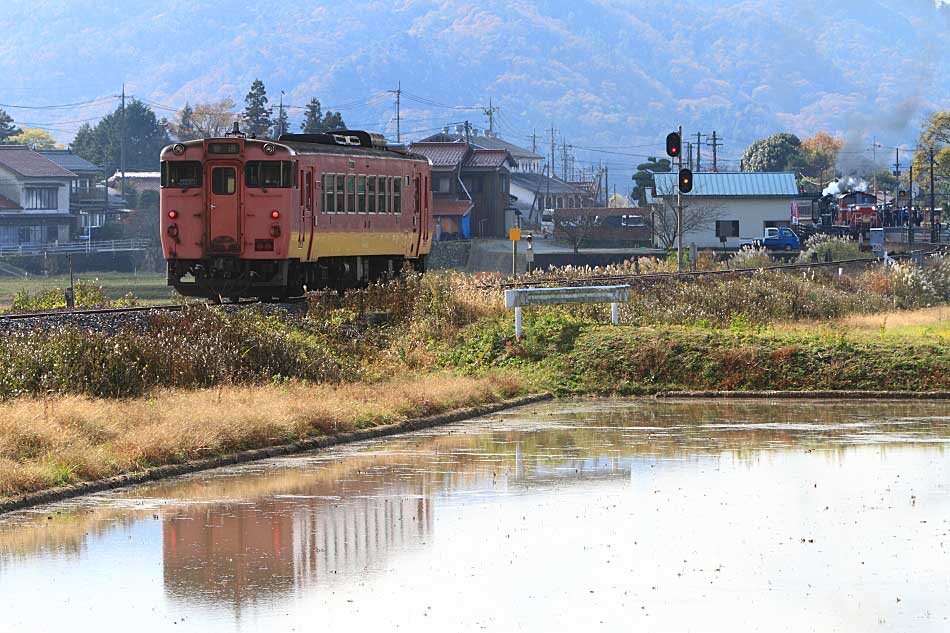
(22, 160)
(442, 154)
(732, 184)
(67, 160)
(485, 142)
(544, 185)
(489, 158)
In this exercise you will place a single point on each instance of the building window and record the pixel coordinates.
(442, 184)
(44, 198)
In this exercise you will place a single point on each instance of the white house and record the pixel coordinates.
(34, 198)
(742, 204)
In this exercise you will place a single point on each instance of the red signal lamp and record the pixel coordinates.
(275, 214)
(173, 214)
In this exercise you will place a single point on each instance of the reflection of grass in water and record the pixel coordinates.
(596, 431)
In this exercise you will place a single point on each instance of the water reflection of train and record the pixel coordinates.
(238, 554)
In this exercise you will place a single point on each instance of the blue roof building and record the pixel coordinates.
(724, 209)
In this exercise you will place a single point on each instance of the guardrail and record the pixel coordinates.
(522, 297)
(67, 248)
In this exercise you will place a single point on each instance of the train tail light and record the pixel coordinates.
(173, 214)
(275, 214)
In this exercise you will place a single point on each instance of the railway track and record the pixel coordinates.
(93, 312)
(653, 277)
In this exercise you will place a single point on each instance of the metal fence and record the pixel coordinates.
(68, 248)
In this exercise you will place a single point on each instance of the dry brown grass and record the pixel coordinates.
(50, 442)
(899, 318)
(922, 323)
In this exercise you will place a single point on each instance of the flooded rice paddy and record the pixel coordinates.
(593, 515)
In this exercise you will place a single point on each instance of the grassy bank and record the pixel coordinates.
(80, 404)
(147, 288)
(56, 441)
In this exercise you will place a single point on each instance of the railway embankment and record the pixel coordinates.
(83, 402)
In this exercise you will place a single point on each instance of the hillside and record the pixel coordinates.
(604, 72)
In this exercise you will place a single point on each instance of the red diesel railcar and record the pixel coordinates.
(243, 217)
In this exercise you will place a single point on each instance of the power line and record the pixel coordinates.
(61, 105)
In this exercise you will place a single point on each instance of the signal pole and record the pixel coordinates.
(910, 208)
(679, 212)
(606, 186)
(897, 175)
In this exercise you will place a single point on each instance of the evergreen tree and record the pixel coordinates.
(313, 118)
(184, 127)
(333, 121)
(7, 128)
(145, 137)
(257, 116)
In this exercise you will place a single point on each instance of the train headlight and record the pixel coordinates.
(178, 148)
(270, 148)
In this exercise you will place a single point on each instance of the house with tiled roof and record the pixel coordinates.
(34, 198)
(536, 192)
(528, 161)
(470, 189)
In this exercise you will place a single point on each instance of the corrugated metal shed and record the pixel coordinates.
(732, 185)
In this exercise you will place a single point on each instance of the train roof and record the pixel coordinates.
(302, 147)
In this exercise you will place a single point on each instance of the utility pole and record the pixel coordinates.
(123, 142)
(564, 158)
(398, 93)
(534, 141)
(607, 186)
(468, 132)
(910, 208)
(933, 201)
(553, 158)
(490, 113)
(699, 154)
(715, 146)
(689, 155)
(280, 116)
(897, 187)
(679, 211)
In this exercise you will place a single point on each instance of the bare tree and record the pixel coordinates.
(575, 225)
(697, 215)
(206, 120)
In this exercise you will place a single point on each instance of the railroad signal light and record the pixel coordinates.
(686, 180)
(674, 144)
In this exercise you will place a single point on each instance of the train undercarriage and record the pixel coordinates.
(233, 278)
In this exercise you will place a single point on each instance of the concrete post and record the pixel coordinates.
(518, 322)
(615, 313)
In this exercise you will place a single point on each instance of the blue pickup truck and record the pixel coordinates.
(778, 239)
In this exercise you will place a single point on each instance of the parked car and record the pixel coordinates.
(777, 239)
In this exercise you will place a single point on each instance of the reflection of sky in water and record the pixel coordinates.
(706, 516)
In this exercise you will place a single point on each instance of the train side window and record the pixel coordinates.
(329, 194)
(269, 174)
(397, 195)
(223, 181)
(350, 193)
(361, 194)
(371, 194)
(383, 194)
(340, 194)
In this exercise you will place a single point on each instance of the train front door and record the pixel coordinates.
(224, 208)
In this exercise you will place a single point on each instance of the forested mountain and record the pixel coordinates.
(604, 72)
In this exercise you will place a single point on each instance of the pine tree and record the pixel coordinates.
(145, 137)
(313, 118)
(257, 116)
(184, 128)
(333, 121)
(7, 128)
